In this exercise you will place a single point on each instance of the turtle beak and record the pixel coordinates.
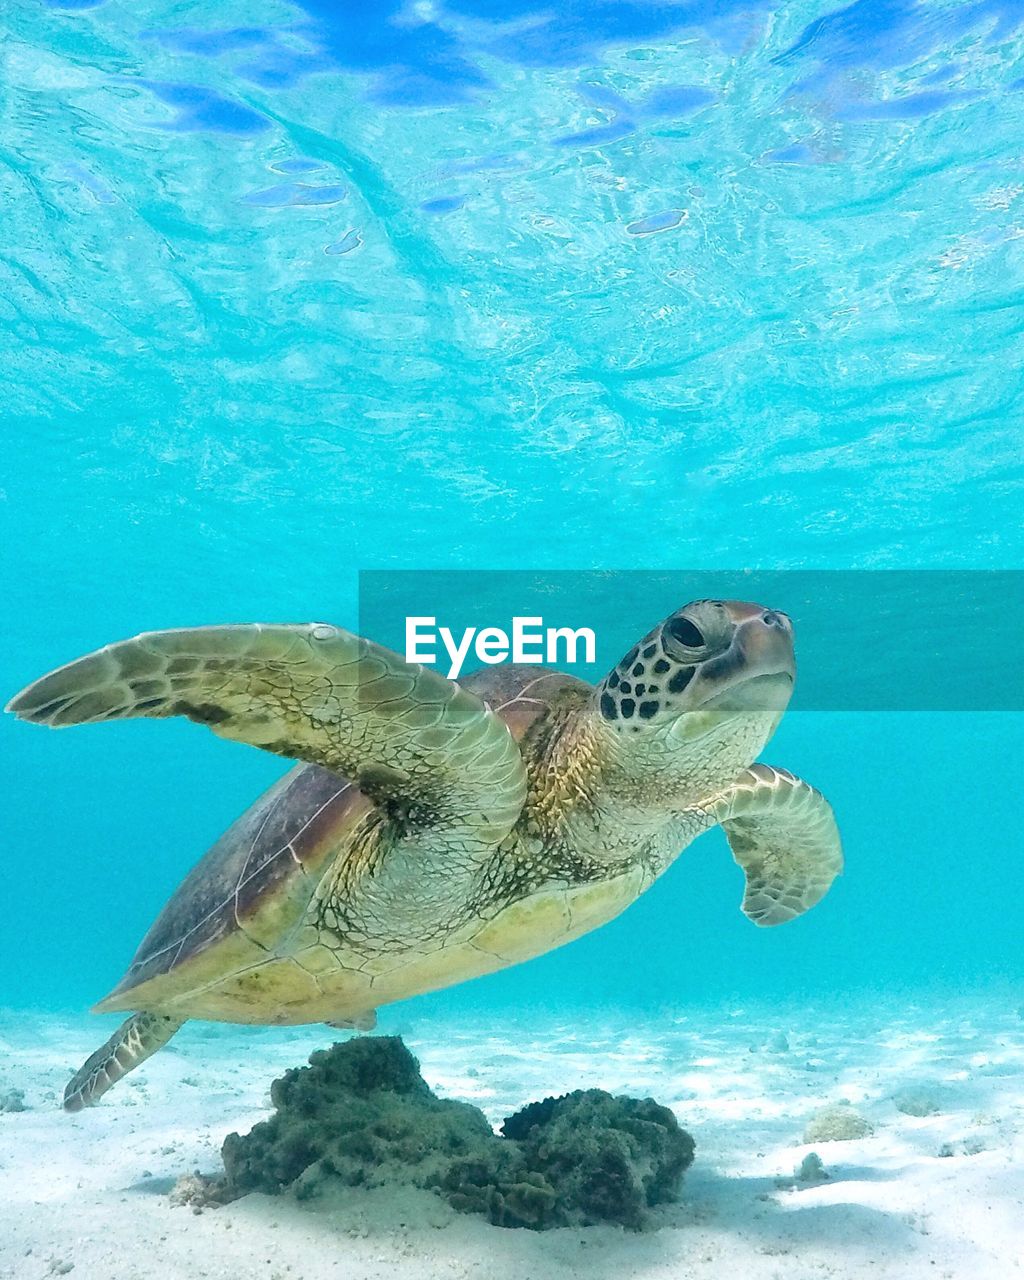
(766, 641)
(758, 669)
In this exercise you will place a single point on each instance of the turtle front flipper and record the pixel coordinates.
(424, 749)
(783, 834)
(133, 1042)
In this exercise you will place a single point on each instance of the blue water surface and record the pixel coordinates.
(293, 289)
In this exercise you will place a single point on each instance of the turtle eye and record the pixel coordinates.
(686, 632)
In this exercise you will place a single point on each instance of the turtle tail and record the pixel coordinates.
(131, 1043)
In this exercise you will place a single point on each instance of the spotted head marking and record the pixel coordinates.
(724, 654)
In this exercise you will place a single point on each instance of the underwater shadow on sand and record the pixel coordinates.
(781, 1212)
(754, 1211)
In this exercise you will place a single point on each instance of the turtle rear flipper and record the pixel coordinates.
(783, 834)
(133, 1042)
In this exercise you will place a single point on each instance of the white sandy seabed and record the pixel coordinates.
(938, 1195)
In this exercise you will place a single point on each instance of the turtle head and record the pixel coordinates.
(695, 701)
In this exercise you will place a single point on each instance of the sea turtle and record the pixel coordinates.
(438, 831)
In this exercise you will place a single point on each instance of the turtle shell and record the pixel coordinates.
(255, 883)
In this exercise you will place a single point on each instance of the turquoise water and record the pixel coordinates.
(294, 290)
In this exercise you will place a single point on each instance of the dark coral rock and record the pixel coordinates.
(611, 1158)
(497, 1183)
(362, 1115)
(360, 1066)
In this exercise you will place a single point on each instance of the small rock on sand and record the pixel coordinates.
(811, 1170)
(836, 1123)
(917, 1100)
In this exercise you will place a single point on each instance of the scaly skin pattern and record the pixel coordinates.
(436, 833)
(394, 917)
